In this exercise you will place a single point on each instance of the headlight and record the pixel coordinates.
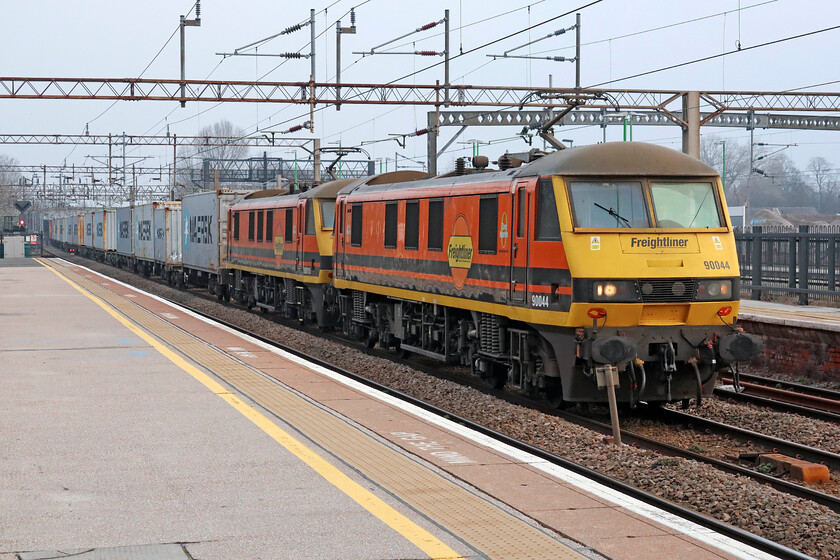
(714, 290)
(614, 290)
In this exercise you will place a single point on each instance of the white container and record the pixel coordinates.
(105, 230)
(144, 232)
(125, 241)
(168, 233)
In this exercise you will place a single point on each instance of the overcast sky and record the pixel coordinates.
(118, 39)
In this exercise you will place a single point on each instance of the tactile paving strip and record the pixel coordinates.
(479, 523)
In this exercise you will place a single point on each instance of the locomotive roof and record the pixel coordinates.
(617, 158)
(330, 189)
(610, 159)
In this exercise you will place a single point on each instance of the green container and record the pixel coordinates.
(27, 250)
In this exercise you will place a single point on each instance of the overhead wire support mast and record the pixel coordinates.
(184, 23)
(338, 31)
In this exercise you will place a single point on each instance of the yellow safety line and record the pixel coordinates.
(418, 536)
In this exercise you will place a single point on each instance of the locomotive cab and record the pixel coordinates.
(654, 274)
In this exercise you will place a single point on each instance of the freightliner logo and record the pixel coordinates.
(658, 242)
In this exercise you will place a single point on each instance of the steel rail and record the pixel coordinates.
(779, 406)
(828, 500)
(832, 460)
(791, 386)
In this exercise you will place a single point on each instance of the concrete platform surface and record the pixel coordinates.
(105, 443)
(799, 316)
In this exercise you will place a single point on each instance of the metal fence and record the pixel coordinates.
(796, 264)
(266, 170)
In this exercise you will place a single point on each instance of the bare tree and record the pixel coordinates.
(737, 166)
(216, 145)
(824, 180)
(10, 187)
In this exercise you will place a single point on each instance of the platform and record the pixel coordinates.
(803, 340)
(803, 316)
(133, 428)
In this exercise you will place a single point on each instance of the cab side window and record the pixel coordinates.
(548, 222)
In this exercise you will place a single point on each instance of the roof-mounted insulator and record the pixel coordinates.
(352, 17)
(504, 162)
(460, 166)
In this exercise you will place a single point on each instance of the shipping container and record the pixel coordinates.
(125, 241)
(168, 233)
(76, 230)
(204, 218)
(105, 230)
(85, 234)
(144, 243)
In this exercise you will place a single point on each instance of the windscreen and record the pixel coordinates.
(685, 205)
(609, 204)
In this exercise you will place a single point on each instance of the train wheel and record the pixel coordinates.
(554, 396)
(495, 376)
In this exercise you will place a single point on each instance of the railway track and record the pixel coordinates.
(639, 441)
(777, 445)
(784, 396)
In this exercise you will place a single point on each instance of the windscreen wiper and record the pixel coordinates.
(700, 208)
(614, 214)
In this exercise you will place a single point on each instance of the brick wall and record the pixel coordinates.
(811, 353)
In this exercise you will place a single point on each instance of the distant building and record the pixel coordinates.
(738, 215)
(788, 216)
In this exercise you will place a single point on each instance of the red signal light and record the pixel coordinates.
(597, 313)
(725, 310)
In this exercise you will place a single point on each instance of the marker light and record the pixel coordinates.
(597, 313)
(714, 290)
(724, 311)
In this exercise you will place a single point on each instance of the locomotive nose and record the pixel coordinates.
(739, 347)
